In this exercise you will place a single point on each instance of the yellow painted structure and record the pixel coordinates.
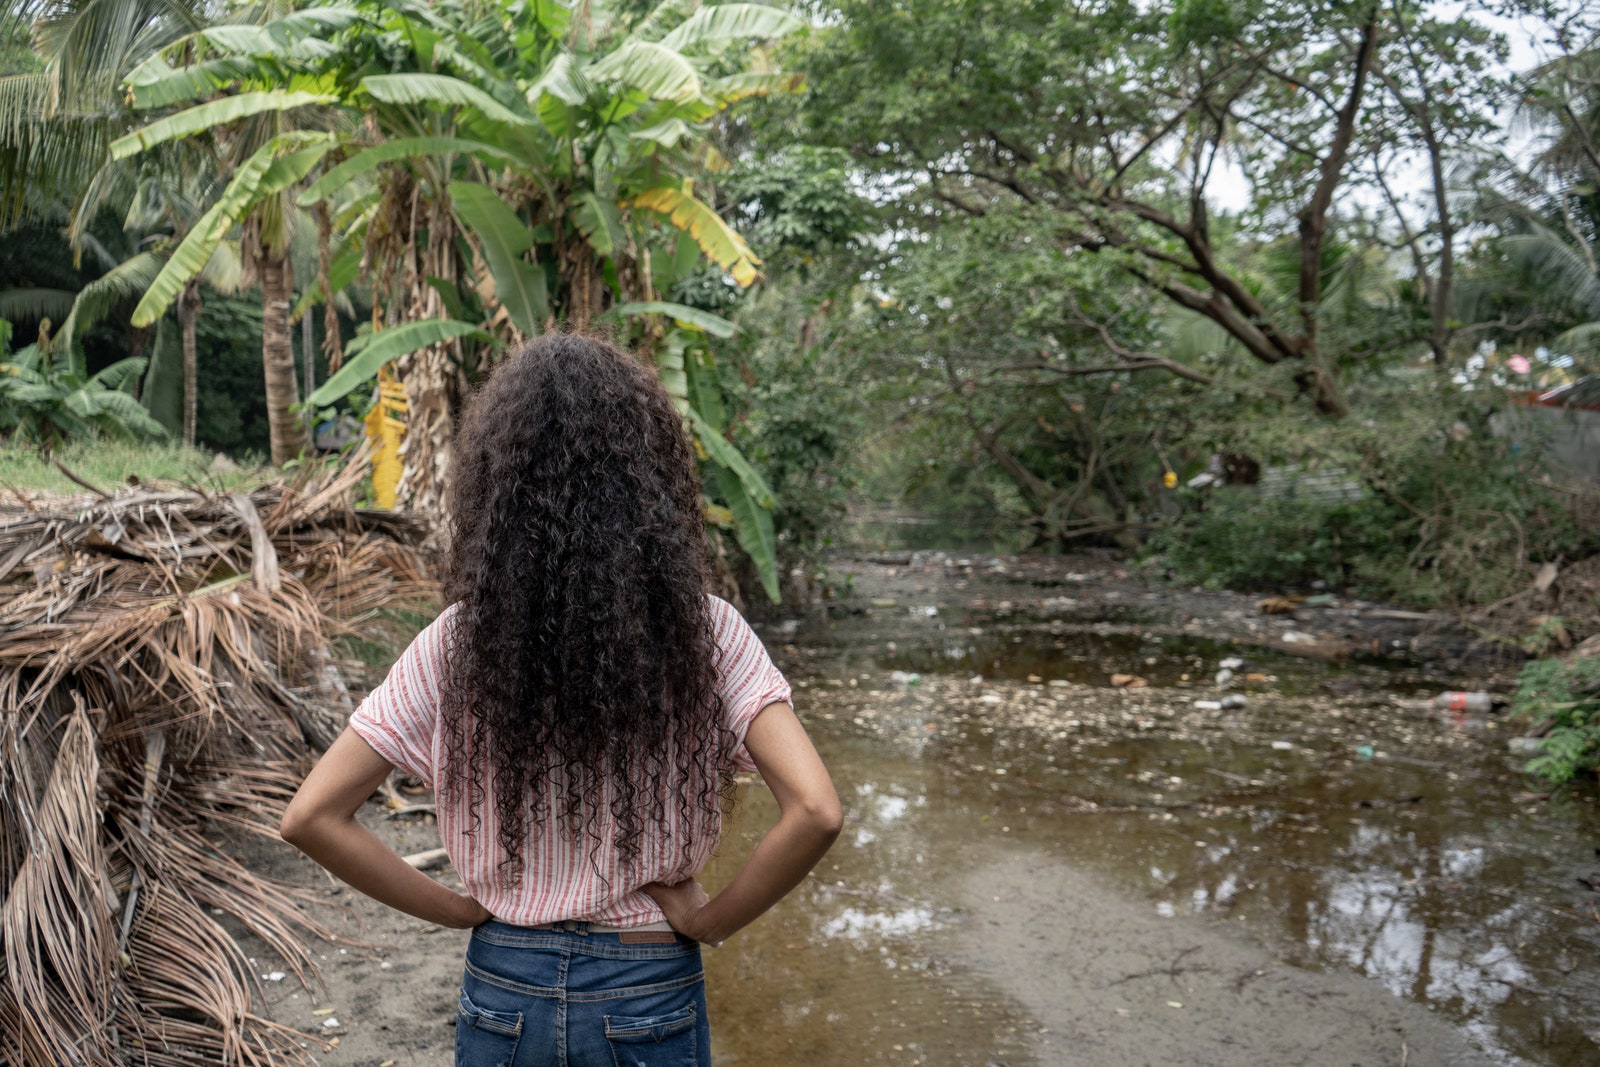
(386, 429)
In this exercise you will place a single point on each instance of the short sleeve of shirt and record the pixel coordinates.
(398, 719)
(747, 680)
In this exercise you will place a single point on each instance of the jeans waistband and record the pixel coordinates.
(581, 925)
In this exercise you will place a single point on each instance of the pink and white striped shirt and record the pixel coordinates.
(562, 878)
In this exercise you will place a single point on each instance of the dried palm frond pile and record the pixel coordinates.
(164, 682)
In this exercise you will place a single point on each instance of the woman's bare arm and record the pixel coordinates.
(808, 822)
(321, 822)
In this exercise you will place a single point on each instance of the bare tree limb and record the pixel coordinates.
(1311, 91)
(1144, 363)
(1314, 217)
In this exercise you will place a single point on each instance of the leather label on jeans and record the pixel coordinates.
(647, 937)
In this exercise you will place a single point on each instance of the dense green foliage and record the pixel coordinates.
(1041, 263)
(1122, 244)
(1418, 502)
(496, 166)
(1561, 699)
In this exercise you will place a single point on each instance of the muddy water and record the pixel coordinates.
(1345, 827)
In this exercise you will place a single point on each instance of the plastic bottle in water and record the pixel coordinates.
(1455, 701)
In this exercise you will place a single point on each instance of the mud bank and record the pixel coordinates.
(1111, 982)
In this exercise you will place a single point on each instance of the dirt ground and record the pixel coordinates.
(1090, 975)
(1109, 982)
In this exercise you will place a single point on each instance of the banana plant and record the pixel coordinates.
(745, 493)
(508, 158)
(48, 401)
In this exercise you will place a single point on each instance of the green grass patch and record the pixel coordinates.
(107, 464)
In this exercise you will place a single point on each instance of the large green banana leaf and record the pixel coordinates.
(600, 221)
(518, 284)
(279, 36)
(719, 241)
(369, 159)
(669, 368)
(737, 87)
(695, 389)
(120, 406)
(689, 317)
(562, 79)
(660, 72)
(720, 449)
(361, 364)
(155, 84)
(440, 89)
(722, 23)
(752, 527)
(203, 117)
(666, 133)
(257, 178)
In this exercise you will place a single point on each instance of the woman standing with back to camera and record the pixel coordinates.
(579, 708)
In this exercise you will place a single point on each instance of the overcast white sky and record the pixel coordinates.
(1230, 188)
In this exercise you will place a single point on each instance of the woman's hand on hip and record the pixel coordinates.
(679, 903)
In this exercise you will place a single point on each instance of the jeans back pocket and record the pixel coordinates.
(485, 1038)
(654, 1040)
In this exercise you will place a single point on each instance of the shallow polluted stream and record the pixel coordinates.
(1038, 868)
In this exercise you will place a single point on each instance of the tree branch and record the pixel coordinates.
(1313, 220)
(1297, 84)
(1144, 362)
(1220, 311)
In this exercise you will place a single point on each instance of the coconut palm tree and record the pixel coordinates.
(56, 122)
(267, 141)
(1552, 216)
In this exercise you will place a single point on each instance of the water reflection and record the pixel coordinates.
(1417, 865)
(853, 960)
(863, 926)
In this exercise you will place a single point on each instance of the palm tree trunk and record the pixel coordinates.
(288, 433)
(189, 306)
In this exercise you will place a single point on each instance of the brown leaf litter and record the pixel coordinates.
(164, 675)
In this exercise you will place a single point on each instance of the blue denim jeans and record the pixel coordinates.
(576, 998)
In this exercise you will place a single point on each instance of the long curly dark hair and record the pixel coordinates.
(582, 650)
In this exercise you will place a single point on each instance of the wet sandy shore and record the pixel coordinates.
(1058, 965)
(1111, 982)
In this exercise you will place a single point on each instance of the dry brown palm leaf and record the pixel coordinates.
(162, 654)
(56, 916)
